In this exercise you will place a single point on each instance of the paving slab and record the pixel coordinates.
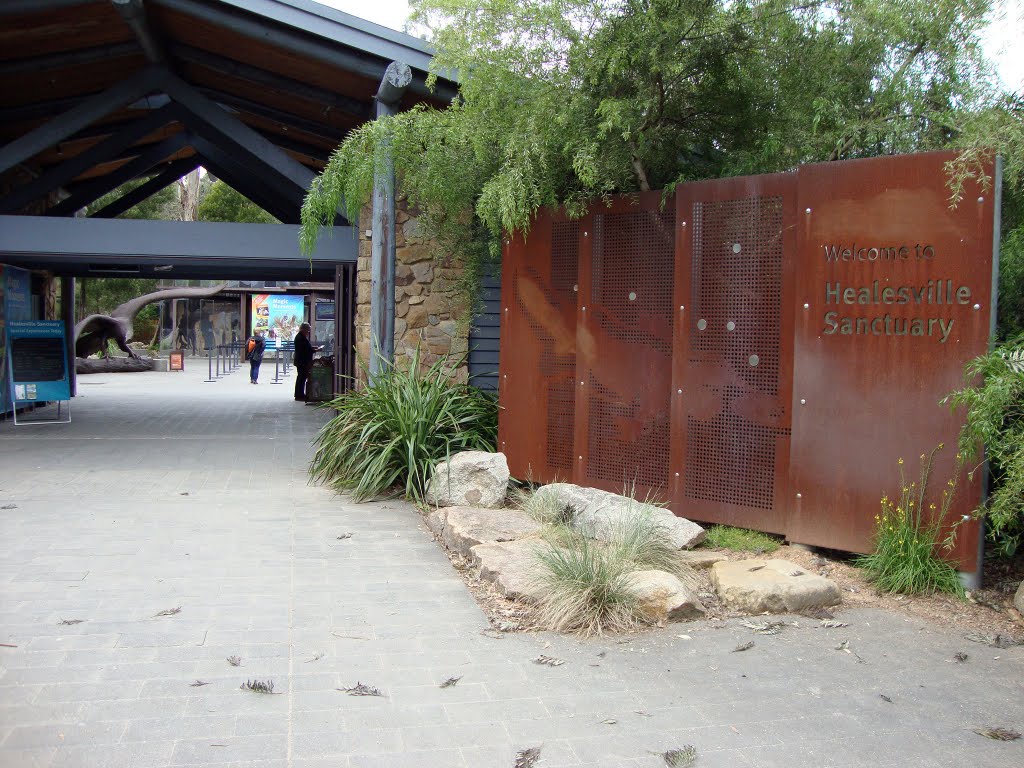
(166, 491)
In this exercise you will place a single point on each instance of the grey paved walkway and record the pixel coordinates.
(166, 492)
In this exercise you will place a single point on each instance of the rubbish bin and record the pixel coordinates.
(320, 387)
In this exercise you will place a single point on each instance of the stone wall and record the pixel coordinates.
(428, 314)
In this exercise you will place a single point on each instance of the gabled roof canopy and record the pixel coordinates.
(96, 92)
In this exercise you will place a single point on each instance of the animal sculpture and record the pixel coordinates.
(93, 333)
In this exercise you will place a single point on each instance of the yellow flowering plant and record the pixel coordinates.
(909, 536)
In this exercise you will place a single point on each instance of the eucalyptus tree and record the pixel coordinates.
(565, 101)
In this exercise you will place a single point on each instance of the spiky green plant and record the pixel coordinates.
(909, 537)
(387, 438)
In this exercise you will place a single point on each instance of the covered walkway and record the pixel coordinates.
(168, 493)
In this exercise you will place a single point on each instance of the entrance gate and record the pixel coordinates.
(757, 351)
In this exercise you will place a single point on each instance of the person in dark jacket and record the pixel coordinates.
(304, 352)
(254, 354)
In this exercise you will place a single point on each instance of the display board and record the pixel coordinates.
(37, 362)
(15, 304)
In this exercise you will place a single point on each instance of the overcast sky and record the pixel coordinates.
(1005, 40)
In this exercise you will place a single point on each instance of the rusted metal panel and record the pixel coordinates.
(732, 372)
(894, 295)
(538, 349)
(624, 345)
(722, 352)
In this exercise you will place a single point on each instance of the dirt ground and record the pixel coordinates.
(988, 611)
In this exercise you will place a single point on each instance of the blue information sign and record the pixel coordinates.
(37, 361)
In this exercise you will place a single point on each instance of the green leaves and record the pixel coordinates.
(563, 101)
(994, 405)
(387, 438)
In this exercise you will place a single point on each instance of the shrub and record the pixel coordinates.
(389, 436)
(907, 538)
(995, 421)
(740, 539)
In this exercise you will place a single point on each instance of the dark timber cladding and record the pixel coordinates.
(813, 322)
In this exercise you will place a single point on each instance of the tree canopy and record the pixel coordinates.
(222, 203)
(565, 101)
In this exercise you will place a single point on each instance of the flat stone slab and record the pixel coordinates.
(663, 597)
(511, 566)
(462, 528)
(1018, 600)
(775, 586)
(599, 514)
(701, 559)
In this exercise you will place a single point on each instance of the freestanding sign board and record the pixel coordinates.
(761, 351)
(37, 363)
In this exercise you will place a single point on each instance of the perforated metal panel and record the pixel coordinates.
(538, 350)
(560, 369)
(629, 319)
(734, 323)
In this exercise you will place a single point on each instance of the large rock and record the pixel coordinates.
(1018, 601)
(663, 597)
(469, 479)
(462, 528)
(600, 514)
(512, 567)
(776, 586)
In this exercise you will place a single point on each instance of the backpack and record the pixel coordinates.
(249, 348)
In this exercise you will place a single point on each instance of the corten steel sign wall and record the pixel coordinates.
(758, 351)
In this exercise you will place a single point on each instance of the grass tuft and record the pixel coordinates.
(585, 582)
(391, 435)
(740, 539)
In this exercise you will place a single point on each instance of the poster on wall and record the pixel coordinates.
(278, 316)
(15, 304)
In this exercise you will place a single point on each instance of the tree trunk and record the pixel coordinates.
(188, 196)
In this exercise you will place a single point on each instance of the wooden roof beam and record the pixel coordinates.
(134, 14)
(174, 171)
(76, 118)
(68, 59)
(101, 152)
(98, 187)
(262, 77)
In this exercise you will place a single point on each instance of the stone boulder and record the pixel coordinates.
(512, 567)
(469, 479)
(462, 528)
(1018, 601)
(663, 597)
(775, 586)
(599, 514)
